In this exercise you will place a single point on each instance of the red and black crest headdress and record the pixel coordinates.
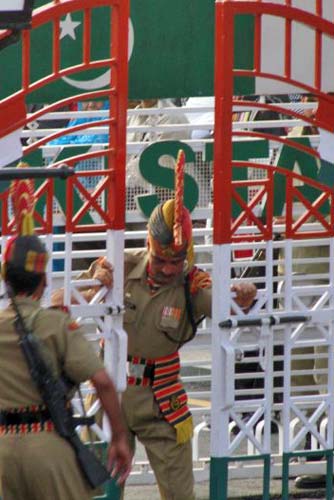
(170, 226)
(24, 251)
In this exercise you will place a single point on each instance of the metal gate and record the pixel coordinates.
(82, 205)
(288, 334)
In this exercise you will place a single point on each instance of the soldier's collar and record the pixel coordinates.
(27, 300)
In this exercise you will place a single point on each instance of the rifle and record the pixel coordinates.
(53, 392)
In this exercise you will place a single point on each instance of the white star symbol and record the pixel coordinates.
(68, 27)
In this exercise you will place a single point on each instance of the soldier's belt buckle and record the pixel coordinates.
(135, 370)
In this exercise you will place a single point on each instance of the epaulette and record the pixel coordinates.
(65, 309)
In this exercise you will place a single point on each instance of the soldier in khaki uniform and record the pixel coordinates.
(164, 296)
(35, 462)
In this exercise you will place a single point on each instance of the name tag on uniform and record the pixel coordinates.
(171, 316)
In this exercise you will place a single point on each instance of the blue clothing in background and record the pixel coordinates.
(85, 138)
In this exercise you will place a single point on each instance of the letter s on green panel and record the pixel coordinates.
(153, 172)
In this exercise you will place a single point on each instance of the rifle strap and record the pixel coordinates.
(30, 320)
(190, 308)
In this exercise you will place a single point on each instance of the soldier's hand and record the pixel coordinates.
(102, 270)
(57, 298)
(245, 294)
(120, 458)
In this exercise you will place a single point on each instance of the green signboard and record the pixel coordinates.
(171, 49)
(289, 158)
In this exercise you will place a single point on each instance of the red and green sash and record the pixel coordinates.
(171, 396)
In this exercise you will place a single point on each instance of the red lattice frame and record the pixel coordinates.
(73, 217)
(263, 229)
(226, 10)
(113, 215)
(43, 225)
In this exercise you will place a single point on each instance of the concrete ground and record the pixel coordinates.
(250, 489)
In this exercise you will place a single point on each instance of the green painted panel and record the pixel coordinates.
(164, 177)
(218, 478)
(172, 56)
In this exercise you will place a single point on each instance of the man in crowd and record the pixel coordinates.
(165, 295)
(36, 463)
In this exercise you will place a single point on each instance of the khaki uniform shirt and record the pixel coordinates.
(148, 319)
(151, 318)
(67, 350)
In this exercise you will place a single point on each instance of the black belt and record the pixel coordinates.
(24, 417)
(8, 418)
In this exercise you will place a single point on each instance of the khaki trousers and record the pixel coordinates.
(171, 462)
(40, 466)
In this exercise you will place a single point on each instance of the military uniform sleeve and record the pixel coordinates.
(84, 275)
(200, 286)
(202, 301)
(88, 273)
(80, 360)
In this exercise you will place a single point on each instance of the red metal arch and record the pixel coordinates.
(289, 13)
(13, 113)
(226, 10)
(51, 13)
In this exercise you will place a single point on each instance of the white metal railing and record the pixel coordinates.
(247, 349)
(243, 349)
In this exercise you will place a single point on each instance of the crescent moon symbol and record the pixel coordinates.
(102, 80)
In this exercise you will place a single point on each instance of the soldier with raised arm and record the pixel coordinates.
(165, 295)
